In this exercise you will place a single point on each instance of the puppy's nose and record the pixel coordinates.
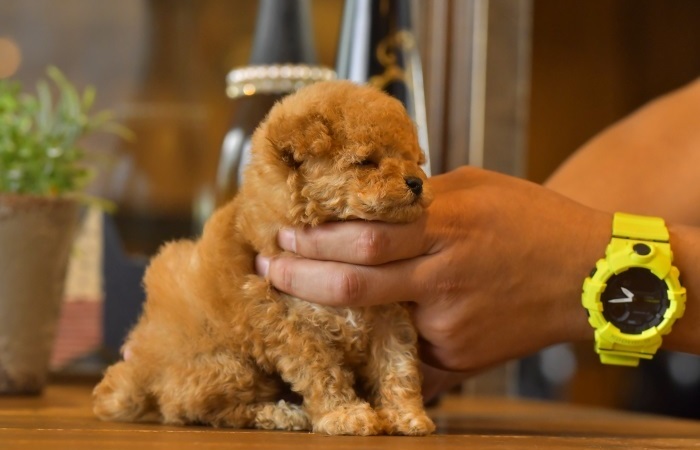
(415, 184)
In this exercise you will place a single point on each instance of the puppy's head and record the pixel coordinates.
(339, 151)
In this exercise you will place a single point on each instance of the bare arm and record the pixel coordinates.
(649, 163)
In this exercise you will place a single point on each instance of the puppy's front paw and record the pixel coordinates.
(413, 423)
(356, 419)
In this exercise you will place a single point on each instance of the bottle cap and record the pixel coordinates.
(274, 79)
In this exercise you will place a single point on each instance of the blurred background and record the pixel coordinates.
(510, 85)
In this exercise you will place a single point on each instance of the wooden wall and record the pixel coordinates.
(595, 61)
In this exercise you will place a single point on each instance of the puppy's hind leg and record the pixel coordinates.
(281, 416)
(120, 396)
(264, 416)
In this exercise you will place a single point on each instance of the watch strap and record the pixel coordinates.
(623, 355)
(628, 226)
(618, 358)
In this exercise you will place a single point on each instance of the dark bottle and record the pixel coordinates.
(283, 59)
(378, 46)
(154, 179)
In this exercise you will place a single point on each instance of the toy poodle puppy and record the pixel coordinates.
(216, 343)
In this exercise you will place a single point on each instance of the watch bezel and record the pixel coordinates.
(620, 258)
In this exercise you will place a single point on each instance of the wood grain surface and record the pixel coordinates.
(61, 418)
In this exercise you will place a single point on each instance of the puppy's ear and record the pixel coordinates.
(421, 158)
(287, 156)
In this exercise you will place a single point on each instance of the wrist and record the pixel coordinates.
(633, 297)
(685, 245)
(589, 241)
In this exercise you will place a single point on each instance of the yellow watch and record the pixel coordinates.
(633, 295)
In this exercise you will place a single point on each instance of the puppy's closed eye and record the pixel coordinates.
(287, 157)
(368, 163)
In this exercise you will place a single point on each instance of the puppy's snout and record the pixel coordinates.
(415, 184)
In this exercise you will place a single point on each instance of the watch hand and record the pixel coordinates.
(628, 299)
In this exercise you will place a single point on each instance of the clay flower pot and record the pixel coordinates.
(36, 236)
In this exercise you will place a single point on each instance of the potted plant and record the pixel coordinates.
(43, 174)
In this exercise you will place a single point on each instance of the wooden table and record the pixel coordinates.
(61, 419)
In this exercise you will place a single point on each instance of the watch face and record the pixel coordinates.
(635, 300)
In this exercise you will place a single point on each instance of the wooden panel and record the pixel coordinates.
(595, 61)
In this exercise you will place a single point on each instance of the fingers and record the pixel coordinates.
(358, 242)
(350, 263)
(341, 284)
(437, 381)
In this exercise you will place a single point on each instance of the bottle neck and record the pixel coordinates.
(283, 33)
(374, 38)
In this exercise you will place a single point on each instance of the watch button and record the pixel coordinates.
(641, 249)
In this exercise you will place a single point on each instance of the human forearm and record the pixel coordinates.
(648, 163)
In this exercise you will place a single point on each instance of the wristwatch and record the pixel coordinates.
(633, 296)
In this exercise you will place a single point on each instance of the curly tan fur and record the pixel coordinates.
(216, 342)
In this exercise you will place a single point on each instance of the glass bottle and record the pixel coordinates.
(283, 59)
(378, 46)
(154, 179)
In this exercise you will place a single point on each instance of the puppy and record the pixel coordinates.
(216, 343)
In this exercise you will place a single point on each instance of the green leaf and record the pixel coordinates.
(89, 95)
(40, 134)
(44, 113)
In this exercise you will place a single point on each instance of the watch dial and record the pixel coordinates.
(635, 300)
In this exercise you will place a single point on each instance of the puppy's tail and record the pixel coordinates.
(121, 397)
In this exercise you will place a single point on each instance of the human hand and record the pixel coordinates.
(494, 267)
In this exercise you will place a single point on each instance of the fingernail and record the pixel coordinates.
(126, 353)
(262, 265)
(286, 238)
